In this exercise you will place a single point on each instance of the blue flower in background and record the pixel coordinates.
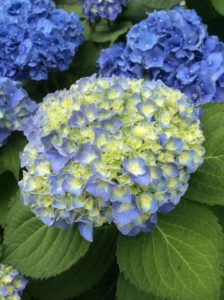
(102, 9)
(173, 46)
(36, 38)
(11, 283)
(15, 108)
(110, 150)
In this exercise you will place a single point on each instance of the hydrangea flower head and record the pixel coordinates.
(15, 108)
(110, 150)
(173, 46)
(102, 9)
(11, 283)
(36, 38)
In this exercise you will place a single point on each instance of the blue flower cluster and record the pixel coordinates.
(11, 283)
(36, 38)
(102, 9)
(15, 108)
(173, 46)
(110, 150)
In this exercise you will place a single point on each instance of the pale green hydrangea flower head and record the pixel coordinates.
(11, 283)
(110, 150)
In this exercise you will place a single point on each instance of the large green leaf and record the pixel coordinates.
(83, 275)
(218, 5)
(181, 259)
(137, 9)
(105, 289)
(8, 188)
(127, 291)
(9, 154)
(36, 250)
(207, 184)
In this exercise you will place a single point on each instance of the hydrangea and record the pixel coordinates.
(110, 150)
(102, 9)
(11, 283)
(173, 46)
(15, 107)
(36, 38)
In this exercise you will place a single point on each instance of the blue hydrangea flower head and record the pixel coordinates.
(11, 283)
(15, 108)
(110, 150)
(102, 9)
(173, 46)
(36, 38)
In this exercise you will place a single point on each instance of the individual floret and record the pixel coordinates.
(15, 108)
(173, 46)
(11, 283)
(110, 150)
(36, 38)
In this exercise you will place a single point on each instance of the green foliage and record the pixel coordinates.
(127, 291)
(36, 250)
(218, 5)
(9, 154)
(107, 34)
(105, 289)
(206, 185)
(84, 274)
(181, 259)
(7, 189)
(70, 6)
(138, 9)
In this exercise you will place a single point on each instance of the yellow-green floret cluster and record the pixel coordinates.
(110, 150)
(11, 283)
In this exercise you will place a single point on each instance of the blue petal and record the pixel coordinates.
(86, 231)
(124, 213)
(121, 194)
(112, 125)
(72, 185)
(86, 154)
(57, 161)
(100, 188)
(77, 120)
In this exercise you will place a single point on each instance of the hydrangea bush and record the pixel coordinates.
(15, 108)
(36, 38)
(102, 9)
(115, 188)
(110, 150)
(11, 283)
(173, 46)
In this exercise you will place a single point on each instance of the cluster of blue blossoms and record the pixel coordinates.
(36, 38)
(102, 9)
(15, 108)
(11, 283)
(110, 150)
(173, 46)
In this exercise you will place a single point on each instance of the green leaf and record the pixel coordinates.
(138, 9)
(9, 154)
(181, 259)
(7, 189)
(111, 35)
(105, 289)
(218, 5)
(70, 6)
(83, 275)
(37, 250)
(204, 9)
(127, 291)
(207, 184)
